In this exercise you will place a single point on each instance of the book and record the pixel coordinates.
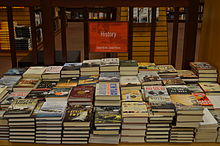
(177, 81)
(166, 69)
(129, 81)
(71, 68)
(149, 78)
(134, 109)
(39, 94)
(3, 91)
(161, 104)
(78, 115)
(15, 72)
(34, 72)
(88, 80)
(202, 99)
(67, 82)
(53, 107)
(21, 108)
(109, 62)
(128, 65)
(46, 85)
(53, 70)
(187, 74)
(90, 65)
(107, 91)
(210, 88)
(203, 67)
(107, 116)
(9, 81)
(131, 95)
(59, 93)
(109, 77)
(26, 84)
(194, 88)
(178, 89)
(143, 66)
(82, 93)
(155, 91)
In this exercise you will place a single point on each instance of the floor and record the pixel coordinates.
(75, 42)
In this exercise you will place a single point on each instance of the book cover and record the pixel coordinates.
(134, 109)
(155, 91)
(202, 66)
(34, 70)
(166, 69)
(91, 63)
(178, 89)
(131, 95)
(15, 72)
(148, 76)
(128, 63)
(53, 69)
(9, 81)
(177, 81)
(47, 85)
(59, 93)
(186, 74)
(161, 102)
(82, 93)
(107, 115)
(67, 82)
(144, 65)
(21, 107)
(53, 107)
(76, 65)
(29, 83)
(202, 99)
(185, 102)
(152, 68)
(78, 113)
(210, 87)
(109, 77)
(107, 89)
(109, 62)
(194, 88)
(129, 81)
(13, 96)
(38, 94)
(88, 80)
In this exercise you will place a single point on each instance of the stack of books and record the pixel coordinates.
(154, 91)
(26, 85)
(194, 88)
(107, 124)
(90, 67)
(182, 134)
(76, 124)
(81, 95)
(149, 78)
(164, 70)
(34, 72)
(107, 94)
(131, 95)
(205, 71)
(109, 64)
(203, 100)
(162, 112)
(128, 68)
(88, 80)
(188, 76)
(9, 81)
(210, 88)
(207, 131)
(4, 128)
(130, 82)
(135, 117)
(3, 91)
(70, 70)
(20, 120)
(49, 121)
(52, 73)
(15, 72)
(67, 82)
(178, 89)
(143, 66)
(109, 76)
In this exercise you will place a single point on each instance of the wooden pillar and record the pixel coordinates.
(33, 37)
(175, 36)
(86, 34)
(153, 33)
(190, 34)
(11, 37)
(48, 32)
(63, 34)
(130, 33)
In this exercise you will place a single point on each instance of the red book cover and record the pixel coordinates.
(82, 93)
(202, 99)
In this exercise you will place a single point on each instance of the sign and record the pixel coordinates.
(108, 36)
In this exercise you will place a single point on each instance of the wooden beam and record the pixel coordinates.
(63, 33)
(175, 36)
(11, 37)
(33, 36)
(86, 34)
(48, 32)
(191, 25)
(130, 33)
(153, 33)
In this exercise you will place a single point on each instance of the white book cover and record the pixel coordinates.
(129, 80)
(53, 69)
(35, 70)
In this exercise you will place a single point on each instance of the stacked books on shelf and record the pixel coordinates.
(109, 64)
(134, 120)
(107, 124)
(205, 71)
(52, 73)
(90, 67)
(188, 76)
(70, 70)
(128, 68)
(76, 124)
(4, 128)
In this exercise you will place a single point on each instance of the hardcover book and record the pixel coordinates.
(131, 95)
(155, 91)
(178, 89)
(88, 80)
(144, 65)
(21, 108)
(109, 62)
(194, 88)
(128, 63)
(134, 109)
(203, 67)
(34, 72)
(129, 81)
(177, 81)
(46, 85)
(67, 82)
(53, 70)
(161, 103)
(202, 99)
(27, 83)
(78, 115)
(15, 72)
(59, 93)
(109, 77)
(82, 93)
(107, 116)
(90, 65)
(107, 89)
(149, 77)
(186, 74)
(166, 69)
(38, 94)
(210, 87)
(71, 68)
(9, 81)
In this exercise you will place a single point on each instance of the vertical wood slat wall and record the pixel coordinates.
(142, 36)
(21, 16)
